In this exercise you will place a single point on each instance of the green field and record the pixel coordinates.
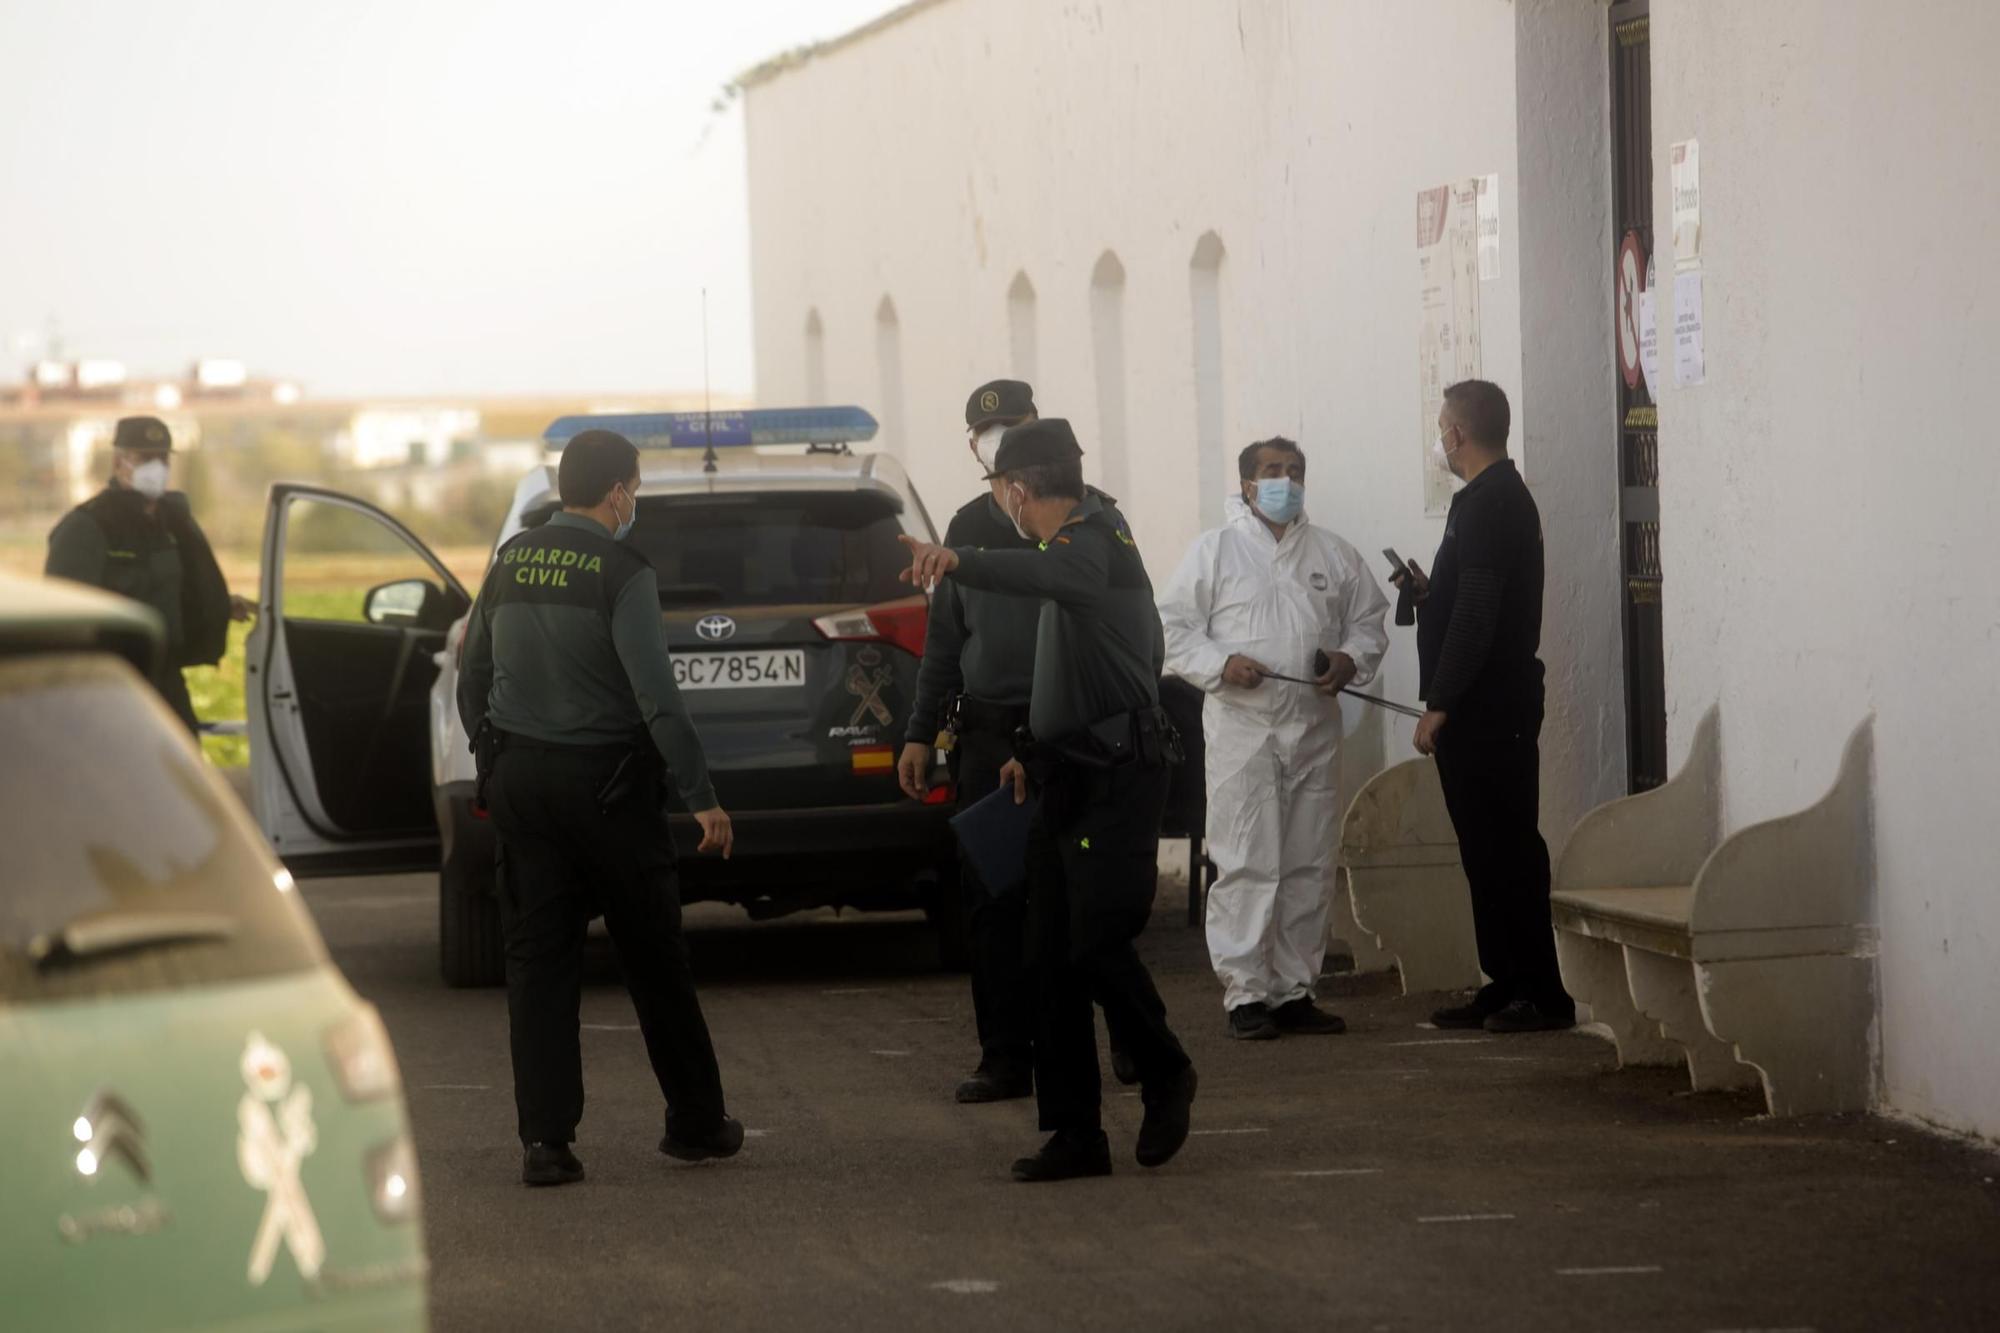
(319, 585)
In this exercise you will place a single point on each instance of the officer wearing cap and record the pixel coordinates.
(1096, 756)
(569, 695)
(138, 539)
(972, 694)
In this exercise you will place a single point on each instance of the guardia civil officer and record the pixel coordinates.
(570, 697)
(1097, 760)
(1479, 623)
(979, 660)
(140, 540)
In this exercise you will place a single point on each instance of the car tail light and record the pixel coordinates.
(364, 1064)
(901, 623)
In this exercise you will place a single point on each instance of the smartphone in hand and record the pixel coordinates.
(1399, 567)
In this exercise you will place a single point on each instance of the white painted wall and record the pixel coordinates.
(935, 160)
(1829, 495)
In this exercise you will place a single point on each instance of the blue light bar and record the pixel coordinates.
(697, 430)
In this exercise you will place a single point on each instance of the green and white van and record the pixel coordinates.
(201, 1124)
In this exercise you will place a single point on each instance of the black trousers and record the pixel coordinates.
(1003, 1001)
(562, 861)
(1093, 867)
(1492, 782)
(172, 686)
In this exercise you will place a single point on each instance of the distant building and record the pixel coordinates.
(395, 436)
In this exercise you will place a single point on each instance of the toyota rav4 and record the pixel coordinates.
(794, 646)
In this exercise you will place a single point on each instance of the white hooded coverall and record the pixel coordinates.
(1273, 751)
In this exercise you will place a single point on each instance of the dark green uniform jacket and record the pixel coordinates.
(160, 558)
(566, 648)
(980, 642)
(1098, 645)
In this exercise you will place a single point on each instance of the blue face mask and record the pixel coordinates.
(1280, 499)
(624, 529)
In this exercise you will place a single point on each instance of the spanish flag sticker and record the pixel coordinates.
(872, 759)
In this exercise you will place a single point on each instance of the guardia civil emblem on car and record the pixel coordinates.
(715, 628)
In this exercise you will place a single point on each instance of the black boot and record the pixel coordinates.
(996, 1083)
(549, 1164)
(1303, 1016)
(1070, 1154)
(1483, 1005)
(1252, 1022)
(725, 1140)
(1527, 1016)
(1168, 1110)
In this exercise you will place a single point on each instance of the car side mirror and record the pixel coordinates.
(406, 604)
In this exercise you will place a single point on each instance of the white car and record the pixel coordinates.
(794, 644)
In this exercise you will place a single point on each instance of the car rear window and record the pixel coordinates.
(772, 549)
(107, 818)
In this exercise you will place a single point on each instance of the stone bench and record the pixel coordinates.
(1400, 881)
(1750, 958)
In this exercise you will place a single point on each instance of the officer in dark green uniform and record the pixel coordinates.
(569, 695)
(138, 539)
(978, 664)
(1097, 760)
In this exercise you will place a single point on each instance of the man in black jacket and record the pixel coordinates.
(979, 658)
(1479, 624)
(139, 540)
(1097, 752)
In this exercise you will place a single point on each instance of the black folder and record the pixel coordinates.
(993, 834)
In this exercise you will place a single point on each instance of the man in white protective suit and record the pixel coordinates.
(1267, 593)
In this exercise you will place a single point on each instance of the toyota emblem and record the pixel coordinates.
(715, 628)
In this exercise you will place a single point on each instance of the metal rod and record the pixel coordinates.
(1389, 704)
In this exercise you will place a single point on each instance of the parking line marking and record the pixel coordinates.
(888, 1052)
(1442, 1041)
(458, 1087)
(755, 1133)
(1628, 1270)
(610, 1027)
(1470, 1217)
(855, 990)
(1337, 1171)
(1254, 1130)
(946, 1019)
(966, 1286)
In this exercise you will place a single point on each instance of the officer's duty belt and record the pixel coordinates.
(989, 718)
(605, 748)
(1145, 735)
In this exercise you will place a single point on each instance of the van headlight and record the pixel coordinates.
(392, 1181)
(364, 1064)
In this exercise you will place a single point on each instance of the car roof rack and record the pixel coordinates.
(823, 430)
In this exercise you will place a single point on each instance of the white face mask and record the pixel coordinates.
(1442, 457)
(987, 445)
(150, 479)
(1014, 515)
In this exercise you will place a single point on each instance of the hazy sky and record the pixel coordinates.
(410, 196)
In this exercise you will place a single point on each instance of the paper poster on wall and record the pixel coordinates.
(1649, 342)
(1690, 367)
(1448, 305)
(1489, 227)
(1687, 205)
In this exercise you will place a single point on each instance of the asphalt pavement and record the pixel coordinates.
(1395, 1178)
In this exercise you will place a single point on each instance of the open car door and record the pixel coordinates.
(352, 612)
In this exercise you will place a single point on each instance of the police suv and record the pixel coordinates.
(794, 646)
